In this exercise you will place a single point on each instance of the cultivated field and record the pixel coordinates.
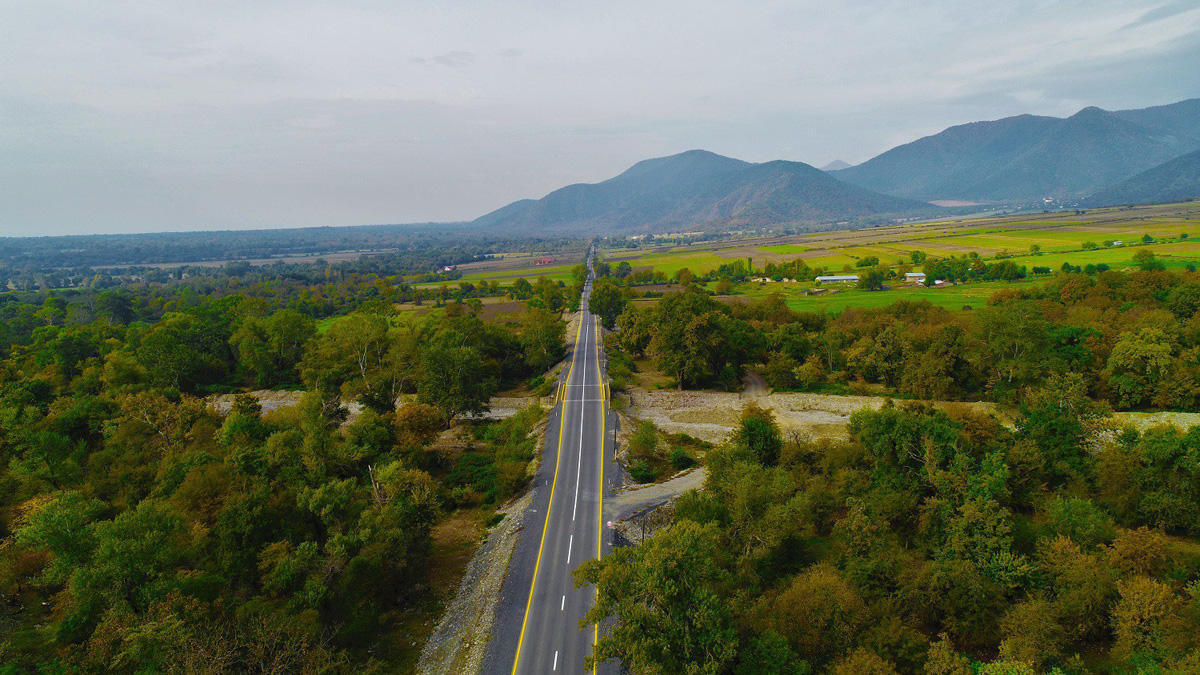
(1059, 231)
(1058, 237)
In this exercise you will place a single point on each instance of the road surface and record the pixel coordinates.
(538, 627)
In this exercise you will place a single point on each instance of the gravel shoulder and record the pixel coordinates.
(459, 642)
(632, 500)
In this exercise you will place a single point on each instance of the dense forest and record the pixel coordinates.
(142, 531)
(1133, 338)
(928, 540)
(106, 261)
(142, 528)
(924, 542)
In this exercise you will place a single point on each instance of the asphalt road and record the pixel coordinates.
(538, 628)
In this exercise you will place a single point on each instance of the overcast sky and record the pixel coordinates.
(123, 116)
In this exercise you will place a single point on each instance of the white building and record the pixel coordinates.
(915, 277)
(837, 279)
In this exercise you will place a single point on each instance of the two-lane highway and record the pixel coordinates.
(567, 529)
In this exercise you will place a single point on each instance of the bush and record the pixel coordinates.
(644, 442)
(680, 459)
(541, 386)
(1079, 519)
(641, 472)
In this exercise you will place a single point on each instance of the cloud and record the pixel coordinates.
(1164, 11)
(454, 59)
(218, 115)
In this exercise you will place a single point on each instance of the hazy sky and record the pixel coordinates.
(148, 116)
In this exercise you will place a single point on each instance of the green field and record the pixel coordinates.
(835, 299)
(698, 261)
(1059, 236)
(506, 276)
(1175, 254)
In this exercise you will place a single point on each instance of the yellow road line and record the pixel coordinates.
(562, 419)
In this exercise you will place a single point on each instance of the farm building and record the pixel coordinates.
(837, 279)
(915, 277)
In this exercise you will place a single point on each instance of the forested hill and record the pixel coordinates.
(1173, 181)
(1031, 157)
(694, 189)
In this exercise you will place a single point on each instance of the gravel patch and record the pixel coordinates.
(501, 407)
(1142, 421)
(712, 415)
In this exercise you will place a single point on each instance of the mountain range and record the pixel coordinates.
(1031, 157)
(696, 189)
(1093, 157)
(1173, 181)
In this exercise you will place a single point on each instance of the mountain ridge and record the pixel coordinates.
(699, 188)
(1031, 157)
(1171, 181)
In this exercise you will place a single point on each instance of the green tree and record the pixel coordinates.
(361, 357)
(455, 379)
(542, 338)
(759, 433)
(1147, 262)
(1059, 418)
(668, 615)
(548, 295)
(521, 289)
(606, 301)
(131, 568)
(1014, 337)
(183, 351)
(1137, 362)
(270, 349)
(819, 614)
(116, 304)
(64, 528)
(871, 280)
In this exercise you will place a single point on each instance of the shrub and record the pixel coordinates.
(680, 459)
(644, 442)
(1080, 520)
(641, 472)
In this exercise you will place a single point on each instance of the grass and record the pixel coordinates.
(671, 262)
(454, 540)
